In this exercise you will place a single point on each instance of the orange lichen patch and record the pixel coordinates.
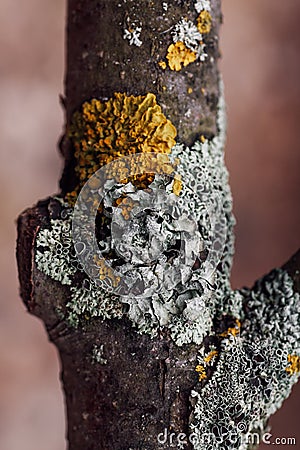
(201, 371)
(202, 138)
(177, 185)
(233, 331)
(71, 197)
(294, 366)
(162, 64)
(106, 272)
(179, 55)
(211, 356)
(140, 168)
(204, 22)
(124, 125)
(126, 204)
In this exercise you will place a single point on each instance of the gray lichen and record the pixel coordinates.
(133, 36)
(250, 381)
(201, 5)
(186, 31)
(245, 370)
(54, 251)
(87, 302)
(182, 296)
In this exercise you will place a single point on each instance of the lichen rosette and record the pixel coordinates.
(123, 125)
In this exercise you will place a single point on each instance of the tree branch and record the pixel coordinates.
(156, 349)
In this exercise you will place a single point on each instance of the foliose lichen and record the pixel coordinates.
(123, 125)
(201, 5)
(250, 380)
(188, 39)
(186, 306)
(242, 376)
(187, 47)
(294, 364)
(185, 31)
(204, 22)
(133, 35)
(87, 302)
(54, 251)
(179, 55)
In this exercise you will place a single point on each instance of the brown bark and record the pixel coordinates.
(293, 269)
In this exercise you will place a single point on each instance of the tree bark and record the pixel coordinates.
(138, 385)
(100, 62)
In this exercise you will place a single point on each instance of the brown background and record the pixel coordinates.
(261, 67)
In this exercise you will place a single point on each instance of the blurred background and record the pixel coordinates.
(261, 68)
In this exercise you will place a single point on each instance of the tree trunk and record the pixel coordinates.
(145, 372)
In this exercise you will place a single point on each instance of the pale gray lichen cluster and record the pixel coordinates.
(157, 225)
(52, 247)
(202, 5)
(133, 35)
(188, 298)
(246, 380)
(250, 381)
(203, 170)
(186, 31)
(88, 301)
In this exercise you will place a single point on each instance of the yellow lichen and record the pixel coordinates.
(204, 22)
(71, 197)
(201, 371)
(179, 55)
(124, 125)
(177, 185)
(210, 356)
(190, 90)
(106, 272)
(126, 204)
(294, 366)
(233, 331)
(162, 64)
